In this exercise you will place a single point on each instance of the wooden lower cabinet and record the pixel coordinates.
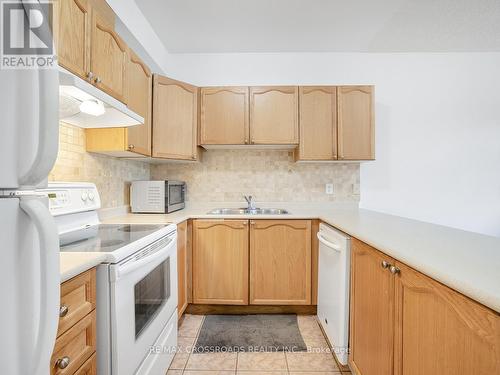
(220, 262)
(405, 323)
(440, 331)
(280, 262)
(372, 311)
(89, 367)
(75, 347)
(182, 267)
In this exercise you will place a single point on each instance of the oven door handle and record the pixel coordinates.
(132, 265)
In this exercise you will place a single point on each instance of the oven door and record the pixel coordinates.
(175, 191)
(143, 298)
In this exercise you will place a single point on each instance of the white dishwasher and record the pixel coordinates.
(333, 288)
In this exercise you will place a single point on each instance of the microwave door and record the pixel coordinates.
(175, 196)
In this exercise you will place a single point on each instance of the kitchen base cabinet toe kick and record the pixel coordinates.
(405, 323)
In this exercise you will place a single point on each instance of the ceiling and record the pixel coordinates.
(225, 26)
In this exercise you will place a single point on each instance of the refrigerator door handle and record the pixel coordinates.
(49, 282)
(48, 124)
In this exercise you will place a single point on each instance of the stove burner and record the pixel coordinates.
(108, 243)
(135, 228)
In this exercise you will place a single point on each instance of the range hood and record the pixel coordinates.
(84, 105)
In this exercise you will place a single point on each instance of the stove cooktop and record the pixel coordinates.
(105, 237)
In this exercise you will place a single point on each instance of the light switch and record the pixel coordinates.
(329, 188)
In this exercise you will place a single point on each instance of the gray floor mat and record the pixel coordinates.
(247, 333)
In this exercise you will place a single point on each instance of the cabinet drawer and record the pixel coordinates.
(89, 367)
(77, 300)
(76, 346)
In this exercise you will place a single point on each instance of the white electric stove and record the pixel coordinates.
(136, 284)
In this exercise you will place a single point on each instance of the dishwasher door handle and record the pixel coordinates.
(328, 243)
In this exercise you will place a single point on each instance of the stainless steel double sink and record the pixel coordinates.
(248, 211)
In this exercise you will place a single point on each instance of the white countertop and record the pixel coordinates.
(465, 261)
(73, 264)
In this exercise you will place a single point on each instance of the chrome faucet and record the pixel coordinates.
(251, 203)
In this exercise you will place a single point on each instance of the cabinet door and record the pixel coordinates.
(224, 116)
(220, 262)
(108, 58)
(72, 36)
(280, 262)
(318, 123)
(372, 312)
(356, 130)
(274, 115)
(139, 86)
(440, 331)
(175, 114)
(182, 267)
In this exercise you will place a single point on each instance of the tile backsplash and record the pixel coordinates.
(112, 176)
(270, 176)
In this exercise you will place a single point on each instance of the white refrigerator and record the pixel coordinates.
(29, 244)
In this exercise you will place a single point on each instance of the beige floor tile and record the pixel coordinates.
(311, 362)
(212, 361)
(185, 344)
(315, 373)
(317, 344)
(262, 361)
(190, 325)
(216, 372)
(174, 372)
(179, 361)
(258, 372)
(304, 319)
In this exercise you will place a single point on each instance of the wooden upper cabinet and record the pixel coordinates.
(372, 312)
(317, 123)
(280, 262)
(274, 115)
(175, 119)
(440, 331)
(72, 35)
(139, 86)
(224, 116)
(220, 262)
(356, 130)
(108, 58)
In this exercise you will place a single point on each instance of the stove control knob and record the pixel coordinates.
(91, 196)
(84, 196)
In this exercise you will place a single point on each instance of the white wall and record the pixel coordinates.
(437, 124)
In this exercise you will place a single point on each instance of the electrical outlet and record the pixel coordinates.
(329, 188)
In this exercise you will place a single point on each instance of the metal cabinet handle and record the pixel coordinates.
(131, 147)
(385, 264)
(97, 80)
(394, 270)
(90, 75)
(63, 311)
(62, 363)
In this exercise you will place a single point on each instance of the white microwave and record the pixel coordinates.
(157, 196)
